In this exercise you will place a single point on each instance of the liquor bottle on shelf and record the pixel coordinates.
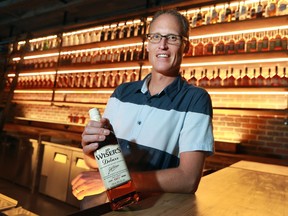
(231, 78)
(110, 80)
(284, 33)
(230, 45)
(199, 48)
(65, 80)
(117, 181)
(82, 82)
(222, 15)
(116, 56)
(88, 80)
(204, 80)
(77, 80)
(109, 55)
(193, 20)
(103, 81)
(278, 41)
(260, 80)
(253, 79)
(199, 18)
(207, 17)
(246, 80)
(282, 7)
(214, 15)
(243, 11)
(209, 47)
(71, 80)
(239, 79)
(259, 10)
(240, 44)
(220, 47)
(253, 11)
(133, 76)
(192, 80)
(117, 78)
(226, 79)
(276, 79)
(212, 79)
(265, 42)
(272, 41)
(218, 79)
(125, 77)
(268, 79)
(270, 9)
(284, 78)
(252, 43)
(228, 13)
(96, 81)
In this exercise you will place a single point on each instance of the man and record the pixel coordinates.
(164, 125)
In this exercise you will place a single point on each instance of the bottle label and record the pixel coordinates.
(112, 166)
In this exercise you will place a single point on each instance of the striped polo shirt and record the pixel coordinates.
(154, 130)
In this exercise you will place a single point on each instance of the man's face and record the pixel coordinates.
(165, 58)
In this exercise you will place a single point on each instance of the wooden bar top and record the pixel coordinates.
(236, 190)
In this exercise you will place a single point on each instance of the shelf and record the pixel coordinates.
(241, 25)
(219, 90)
(274, 113)
(237, 59)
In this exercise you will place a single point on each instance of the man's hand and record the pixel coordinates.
(87, 183)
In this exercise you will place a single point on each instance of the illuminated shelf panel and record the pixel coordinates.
(240, 26)
(251, 112)
(237, 59)
(220, 90)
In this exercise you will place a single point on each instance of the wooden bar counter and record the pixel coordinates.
(243, 189)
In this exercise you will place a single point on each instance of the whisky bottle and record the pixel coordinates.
(246, 80)
(260, 80)
(284, 78)
(268, 79)
(113, 170)
(192, 80)
(253, 79)
(276, 79)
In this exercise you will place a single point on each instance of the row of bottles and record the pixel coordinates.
(116, 31)
(247, 77)
(223, 12)
(104, 56)
(38, 44)
(105, 79)
(240, 43)
(236, 10)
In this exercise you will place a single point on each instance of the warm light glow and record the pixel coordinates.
(43, 38)
(41, 56)
(246, 93)
(247, 61)
(84, 91)
(98, 70)
(33, 91)
(239, 32)
(83, 31)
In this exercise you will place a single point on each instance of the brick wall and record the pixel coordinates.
(260, 134)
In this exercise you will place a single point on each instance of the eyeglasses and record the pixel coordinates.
(170, 38)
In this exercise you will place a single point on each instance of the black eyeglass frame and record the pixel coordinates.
(182, 38)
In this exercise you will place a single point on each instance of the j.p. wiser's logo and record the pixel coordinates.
(112, 166)
(105, 157)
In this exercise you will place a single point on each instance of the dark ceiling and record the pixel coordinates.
(44, 17)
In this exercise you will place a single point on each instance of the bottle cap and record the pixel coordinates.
(94, 114)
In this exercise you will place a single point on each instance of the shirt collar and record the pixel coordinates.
(171, 90)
